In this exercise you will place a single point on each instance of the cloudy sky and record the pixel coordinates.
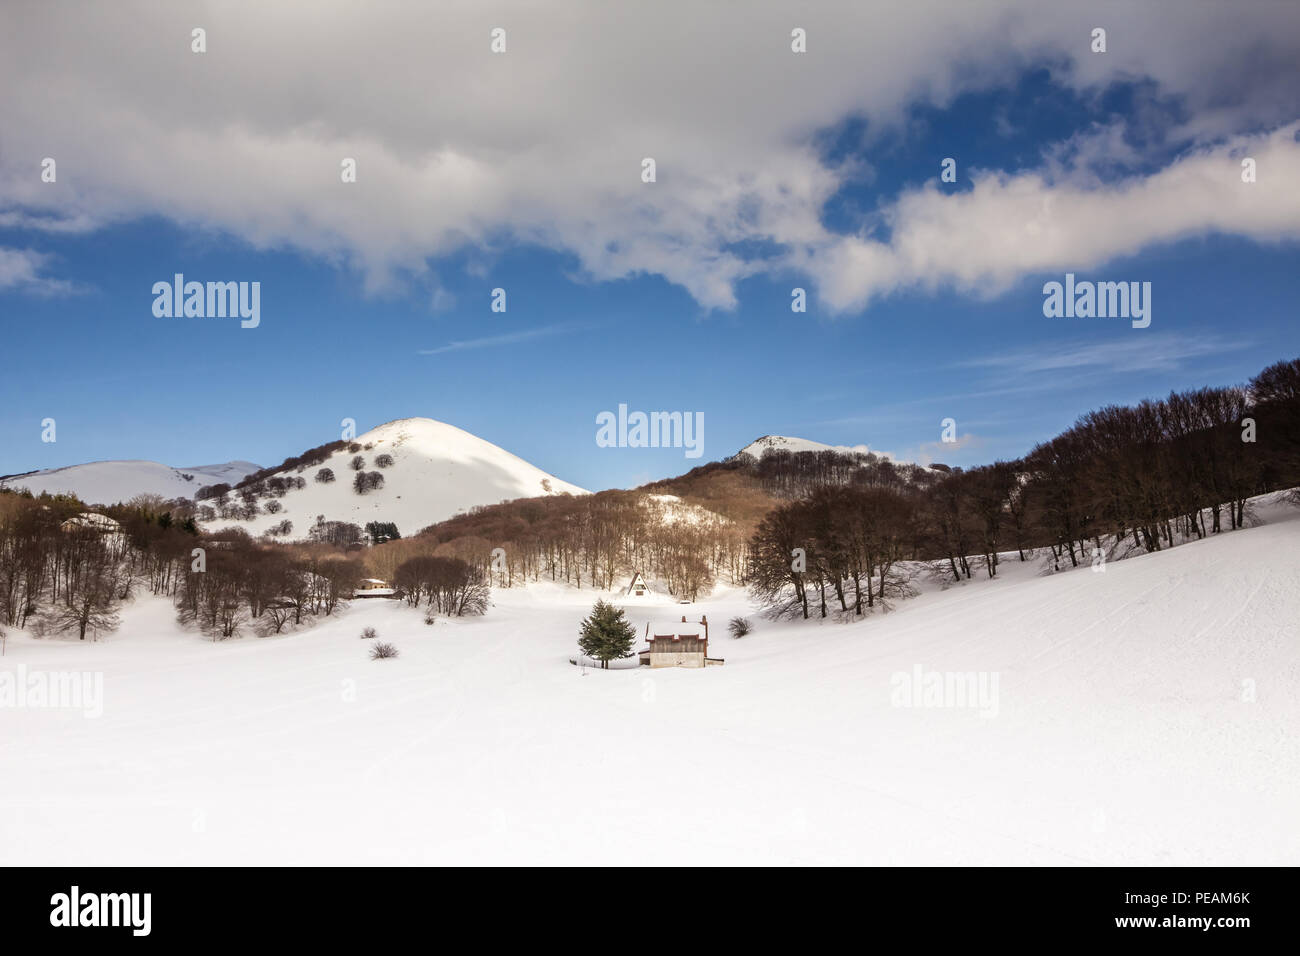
(522, 170)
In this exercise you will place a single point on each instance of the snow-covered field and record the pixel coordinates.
(1144, 715)
(110, 482)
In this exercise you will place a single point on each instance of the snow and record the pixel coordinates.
(112, 482)
(767, 443)
(438, 471)
(675, 627)
(1144, 715)
(93, 520)
(670, 510)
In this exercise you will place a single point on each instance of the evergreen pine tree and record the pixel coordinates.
(605, 635)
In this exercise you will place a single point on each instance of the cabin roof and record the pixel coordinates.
(675, 629)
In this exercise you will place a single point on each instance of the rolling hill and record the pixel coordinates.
(111, 482)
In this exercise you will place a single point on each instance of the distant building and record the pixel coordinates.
(638, 587)
(678, 644)
(374, 588)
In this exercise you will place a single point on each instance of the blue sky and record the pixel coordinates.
(351, 328)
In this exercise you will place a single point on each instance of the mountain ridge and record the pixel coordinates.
(760, 446)
(115, 480)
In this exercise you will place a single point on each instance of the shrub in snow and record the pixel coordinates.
(429, 618)
(384, 461)
(739, 627)
(368, 633)
(357, 463)
(381, 651)
(325, 476)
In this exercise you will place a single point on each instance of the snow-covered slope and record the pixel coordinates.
(438, 471)
(767, 443)
(110, 482)
(1144, 715)
(670, 509)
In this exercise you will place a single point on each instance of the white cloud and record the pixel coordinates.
(17, 219)
(927, 453)
(1007, 227)
(457, 147)
(22, 269)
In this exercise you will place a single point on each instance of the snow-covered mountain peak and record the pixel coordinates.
(425, 435)
(761, 446)
(413, 472)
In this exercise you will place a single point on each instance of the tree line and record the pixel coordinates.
(805, 533)
(63, 568)
(1121, 479)
(586, 541)
(1144, 475)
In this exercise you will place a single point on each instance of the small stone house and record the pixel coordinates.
(678, 644)
(374, 588)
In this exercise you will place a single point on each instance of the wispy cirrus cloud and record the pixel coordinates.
(508, 338)
(54, 224)
(1135, 353)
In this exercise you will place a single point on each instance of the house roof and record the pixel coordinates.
(675, 629)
